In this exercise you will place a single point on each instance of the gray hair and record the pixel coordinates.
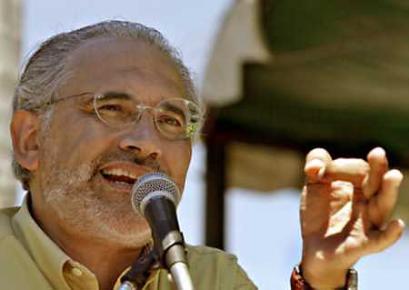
(45, 71)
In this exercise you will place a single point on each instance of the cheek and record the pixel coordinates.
(178, 161)
(78, 140)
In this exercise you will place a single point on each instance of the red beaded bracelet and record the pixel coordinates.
(298, 282)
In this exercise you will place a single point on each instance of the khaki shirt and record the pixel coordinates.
(30, 260)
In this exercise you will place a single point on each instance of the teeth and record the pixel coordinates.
(119, 172)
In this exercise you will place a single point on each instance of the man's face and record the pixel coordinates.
(86, 168)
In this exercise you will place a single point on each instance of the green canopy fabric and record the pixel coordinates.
(340, 75)
(339, 78)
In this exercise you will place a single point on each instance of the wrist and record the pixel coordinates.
(320, 279)
(298, 281)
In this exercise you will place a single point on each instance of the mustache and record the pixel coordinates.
(148, 162)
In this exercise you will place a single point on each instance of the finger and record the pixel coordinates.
(314, 208)
(381, 205)
(380, 240)
(316, 162)
(378, 165)
(347, 169)
(340, 207)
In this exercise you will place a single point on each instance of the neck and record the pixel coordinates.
(106, 259)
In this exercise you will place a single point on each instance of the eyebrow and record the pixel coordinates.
(57, 100)
(122, 95)
(116, 95)
(175, 109)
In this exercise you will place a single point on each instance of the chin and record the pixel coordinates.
(84, 214)
(125, 234)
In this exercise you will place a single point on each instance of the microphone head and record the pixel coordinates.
(153, 185)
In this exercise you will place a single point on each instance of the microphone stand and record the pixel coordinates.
(173, 258)
(140, 270)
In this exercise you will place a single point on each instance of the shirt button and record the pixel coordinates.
(76, 272)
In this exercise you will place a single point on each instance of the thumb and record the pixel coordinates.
(380, 240)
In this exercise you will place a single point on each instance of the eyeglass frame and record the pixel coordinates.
(191, 131)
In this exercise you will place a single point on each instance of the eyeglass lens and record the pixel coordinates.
(175, 118)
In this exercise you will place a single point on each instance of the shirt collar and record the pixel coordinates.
(53, 262)
(49, 258)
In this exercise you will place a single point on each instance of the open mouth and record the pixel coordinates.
(119, 178)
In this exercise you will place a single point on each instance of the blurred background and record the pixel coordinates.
(279, 77)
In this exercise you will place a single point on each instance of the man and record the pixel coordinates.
(98, 107)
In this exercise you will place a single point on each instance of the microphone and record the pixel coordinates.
(155, 196)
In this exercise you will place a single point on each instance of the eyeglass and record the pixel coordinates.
(174, 118)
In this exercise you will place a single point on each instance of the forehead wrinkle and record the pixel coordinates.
(123, 79)
(120, 94)
(151, 74)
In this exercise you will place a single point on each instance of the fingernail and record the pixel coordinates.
(314, 164)
(321, 172)
(396, 176)
(378, 151)
(401, 222)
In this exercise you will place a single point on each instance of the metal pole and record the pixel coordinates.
(10, 33)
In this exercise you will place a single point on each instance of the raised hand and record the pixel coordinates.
(346, 206)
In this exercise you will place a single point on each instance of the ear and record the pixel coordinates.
(24, 129)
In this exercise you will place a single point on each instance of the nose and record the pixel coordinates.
(142, 139)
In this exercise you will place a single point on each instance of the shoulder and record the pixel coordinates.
(212, 265)
(6, 214)
(201, 253)
(15, 260)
